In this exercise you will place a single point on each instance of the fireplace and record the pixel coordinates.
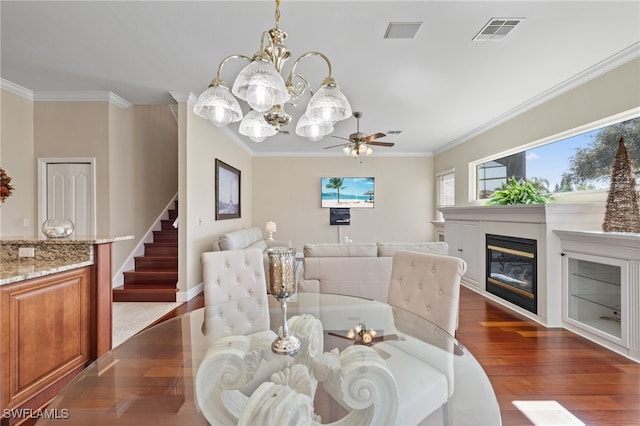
(512, 270)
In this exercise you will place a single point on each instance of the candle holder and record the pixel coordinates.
(282, 284)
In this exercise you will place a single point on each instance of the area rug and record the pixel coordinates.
(130, 318)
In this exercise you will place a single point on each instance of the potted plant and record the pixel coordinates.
(518, 191)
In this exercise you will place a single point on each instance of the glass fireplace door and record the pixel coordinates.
(511, 270)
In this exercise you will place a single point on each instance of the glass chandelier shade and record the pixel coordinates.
(260, 84)
(311, 129)
(218, 105)
(255, 127)
(263, 88)
(328, 104)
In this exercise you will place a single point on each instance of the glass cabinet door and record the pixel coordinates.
(596, 294)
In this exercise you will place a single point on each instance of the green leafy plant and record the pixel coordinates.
(518, 191)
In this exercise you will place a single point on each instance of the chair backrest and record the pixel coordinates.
(427, 285)
(235, 293)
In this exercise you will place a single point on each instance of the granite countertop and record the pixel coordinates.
(27, 268)
(50, 255)
(74, 239)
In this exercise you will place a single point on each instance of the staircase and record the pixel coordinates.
(155, 275)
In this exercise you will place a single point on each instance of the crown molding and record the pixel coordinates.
(187, 97)
(59, 96)
(630, 53)
(16, 89)
(340, 154)
(82, 96)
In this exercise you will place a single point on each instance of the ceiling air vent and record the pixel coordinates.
(497, 29)
(402, 29)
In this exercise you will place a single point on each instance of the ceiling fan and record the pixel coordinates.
(359, 144)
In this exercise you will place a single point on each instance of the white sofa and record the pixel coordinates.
(245, 238)
(248, 238)
(356, 269)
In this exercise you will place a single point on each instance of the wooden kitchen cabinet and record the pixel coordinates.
(44, 337)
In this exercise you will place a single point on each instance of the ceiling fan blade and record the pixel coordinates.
(389, 144)
(340, 137)
(335, 146)
(374, 136)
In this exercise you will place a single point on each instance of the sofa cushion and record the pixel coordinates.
(340, 250)
(240, 239)
(261, 244)
(389, 249)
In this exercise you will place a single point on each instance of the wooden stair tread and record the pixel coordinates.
(157, 257)
(155, 276)
(121, 294)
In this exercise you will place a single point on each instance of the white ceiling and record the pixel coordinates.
(439, 88)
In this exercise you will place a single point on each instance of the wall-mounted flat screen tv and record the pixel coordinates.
(348, 192)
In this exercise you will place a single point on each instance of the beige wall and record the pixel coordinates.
(77, 129)
(143, 171)
(136, 161)
(613, 93)
(200, 144)
(287, 191)
(17, 158)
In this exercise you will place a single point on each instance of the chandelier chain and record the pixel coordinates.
(277, 13)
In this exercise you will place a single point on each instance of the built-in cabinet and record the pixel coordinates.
(588, 281)
(463, 238)
(596, 295)
(44, 334)
(55, 312)
(601, 288)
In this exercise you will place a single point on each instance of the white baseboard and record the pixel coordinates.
(185, 296)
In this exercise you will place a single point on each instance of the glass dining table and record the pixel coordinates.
(361, 362)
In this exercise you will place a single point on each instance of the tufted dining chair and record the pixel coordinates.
(235, 276)
(428, 285)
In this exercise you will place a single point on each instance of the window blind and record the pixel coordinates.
(446, 189)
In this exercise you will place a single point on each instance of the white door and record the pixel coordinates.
(70, 195)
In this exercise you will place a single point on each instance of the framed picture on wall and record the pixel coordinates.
(227, 191)
(347, 192)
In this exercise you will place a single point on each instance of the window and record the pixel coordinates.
(446, 188)
(581, 162)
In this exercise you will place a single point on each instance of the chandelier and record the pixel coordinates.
(262, 87)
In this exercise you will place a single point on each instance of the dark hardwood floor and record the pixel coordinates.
(527, 361)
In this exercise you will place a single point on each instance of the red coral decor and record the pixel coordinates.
(5, 186)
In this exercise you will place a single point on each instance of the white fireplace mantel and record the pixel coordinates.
(530, 213)
(534, 221)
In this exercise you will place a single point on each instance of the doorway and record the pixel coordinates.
(66, 190)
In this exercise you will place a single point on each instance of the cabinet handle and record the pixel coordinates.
(459, 249)
(562, 254)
